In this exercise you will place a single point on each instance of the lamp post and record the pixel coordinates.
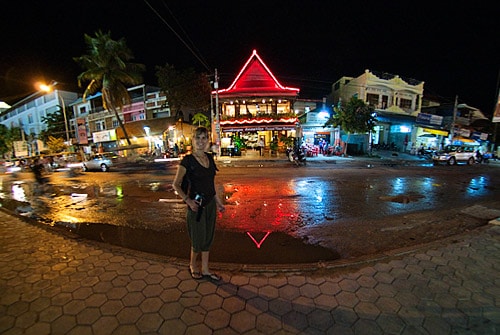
(49, 88)
(452, 127)
(147, 131)
(65, 119)
(217, 118)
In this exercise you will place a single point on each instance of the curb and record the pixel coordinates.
(315, 267)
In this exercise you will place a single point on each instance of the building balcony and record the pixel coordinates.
(99, 115)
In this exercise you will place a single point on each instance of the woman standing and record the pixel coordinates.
(202, 200)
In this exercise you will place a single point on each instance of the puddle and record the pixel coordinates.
(229, 247)
(402, 199)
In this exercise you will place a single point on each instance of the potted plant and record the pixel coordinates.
(287, 141)
(274, 147)
(239, 144)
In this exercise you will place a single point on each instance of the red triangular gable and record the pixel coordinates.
(255, 78)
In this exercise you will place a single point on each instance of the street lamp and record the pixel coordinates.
(65, 119)
(49, 88)
(147, 131)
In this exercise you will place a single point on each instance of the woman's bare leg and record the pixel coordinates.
(193, 260)
(204, 262)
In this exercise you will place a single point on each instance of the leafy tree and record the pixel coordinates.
(55, 144)
(184, 88)
(54, 126)
(108, 69)
(356, 117)
(16, 134)
(201, 119)
(7, 138)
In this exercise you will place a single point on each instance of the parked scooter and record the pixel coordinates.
(296, 156)
(482, 158)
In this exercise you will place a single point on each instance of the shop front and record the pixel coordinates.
(103, 141)
(430, 134)
(255, 135)
(156, 137)
(430, 139)
(394, 132)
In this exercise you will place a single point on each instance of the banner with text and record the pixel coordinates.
(82, 131)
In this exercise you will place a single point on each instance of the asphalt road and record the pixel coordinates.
(276, 213)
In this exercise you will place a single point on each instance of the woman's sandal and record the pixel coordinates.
(212, 276)
(195, 274)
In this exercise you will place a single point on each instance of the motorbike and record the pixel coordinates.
(482, 158)
(296, 156)
(338, 151)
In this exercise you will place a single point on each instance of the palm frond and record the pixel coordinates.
(108, 68)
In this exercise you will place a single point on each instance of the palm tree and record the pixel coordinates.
(107, 69)
(200, 119)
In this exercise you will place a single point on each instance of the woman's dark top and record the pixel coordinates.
(201, 179)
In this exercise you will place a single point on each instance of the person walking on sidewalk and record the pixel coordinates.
(201, 198)
(39, 171)
(261, 147)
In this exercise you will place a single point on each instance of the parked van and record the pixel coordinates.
(452, 154)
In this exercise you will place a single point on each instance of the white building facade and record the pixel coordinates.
(88, 123)
(396, 100)
(28, 114)
(98, 127)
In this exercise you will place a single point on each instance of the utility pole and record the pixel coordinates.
(496, 117)
(65, 118)
(212, 116)
(50, 88)
(452, 128)
(217, 120)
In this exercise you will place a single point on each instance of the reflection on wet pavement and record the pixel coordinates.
(273, 204)
(277, 203)
(260, 210)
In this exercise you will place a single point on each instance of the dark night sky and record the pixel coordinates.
(450, 45)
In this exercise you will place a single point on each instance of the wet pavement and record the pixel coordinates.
(57, 283)
(330, 210)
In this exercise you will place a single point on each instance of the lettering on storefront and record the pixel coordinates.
(479, 136)
(234, 129)
(429, 119)
(435, 131)
(314, 118)
(463, 132)
(104, 136)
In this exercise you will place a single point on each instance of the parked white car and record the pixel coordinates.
(452, 154)
(97, 162)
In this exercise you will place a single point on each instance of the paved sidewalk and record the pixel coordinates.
(51, 283)
(251, 158)
(381, 157)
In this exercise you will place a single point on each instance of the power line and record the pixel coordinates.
(178, 36)
(185, 34)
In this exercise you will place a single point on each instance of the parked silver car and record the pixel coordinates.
(98, 162)
(452, 154)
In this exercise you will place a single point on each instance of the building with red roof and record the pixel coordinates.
(256, 107)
